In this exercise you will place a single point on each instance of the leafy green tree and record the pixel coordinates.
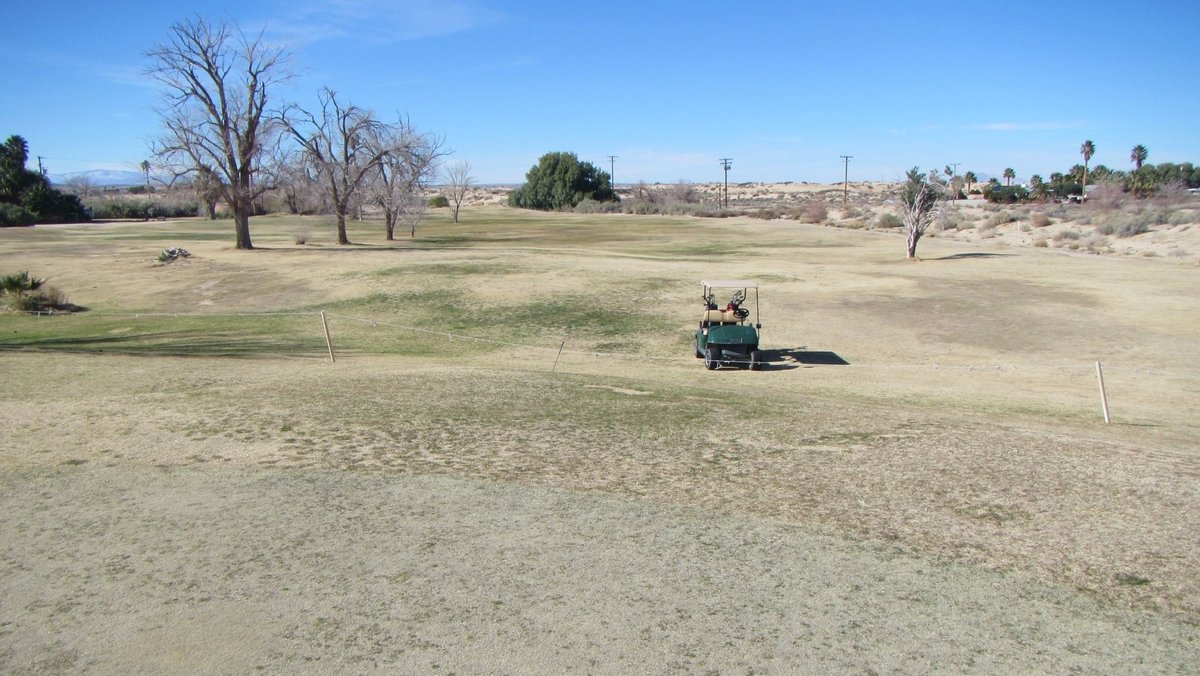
(1138, 155)
(31, 190)
(560, 181)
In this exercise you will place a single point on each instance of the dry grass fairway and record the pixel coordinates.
(208, 493)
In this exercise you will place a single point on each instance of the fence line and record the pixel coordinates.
(1083, 366)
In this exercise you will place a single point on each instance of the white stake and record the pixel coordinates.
(1103, 395)
(328, 341)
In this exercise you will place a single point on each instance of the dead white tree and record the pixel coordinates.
(408, 165)
(458, 182)
(340, 143)
(217, 85)
(919, 201)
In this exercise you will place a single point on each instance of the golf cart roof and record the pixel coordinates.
(730, 284)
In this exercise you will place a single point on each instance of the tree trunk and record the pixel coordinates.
(389, 224)
(913, 237)
(241, 224)
(341, 228)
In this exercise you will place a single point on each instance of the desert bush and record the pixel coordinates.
(1107, 196)
(439, 202)
(1181, 217)
(848, 212)
(987, 232)
(1025, 227)
(813, 211)
(1066, 236)
(15, 215)
(591, 206)
(888, 220)
(1041, 242)
(1040, 220)
(300, 238)
(1000, 218)
(764, 214)
(951, 219)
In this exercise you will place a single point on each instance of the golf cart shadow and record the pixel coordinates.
(794, 358)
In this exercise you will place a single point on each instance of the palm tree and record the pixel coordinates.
(1138, 155)
(1087, 150)
(1009, 175)
(146, 171)
(971, 179)
(1037, 187)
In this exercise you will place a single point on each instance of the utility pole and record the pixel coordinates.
(612, 174)
(726, 163)
(954, 178)
(41, 168)
(846, 180)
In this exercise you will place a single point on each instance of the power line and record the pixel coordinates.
(612, 173)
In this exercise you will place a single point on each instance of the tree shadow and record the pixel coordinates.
(963, 256)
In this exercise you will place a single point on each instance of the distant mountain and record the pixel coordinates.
(102, 177)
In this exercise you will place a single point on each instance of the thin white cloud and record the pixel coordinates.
(378, 21)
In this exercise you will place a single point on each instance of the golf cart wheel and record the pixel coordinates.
(755, 360)
(712, 359)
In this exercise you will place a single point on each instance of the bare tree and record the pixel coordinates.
(217, 84)
(409, 162)
(342, 143)
(80, 185)
(918, 207)
(459, 180)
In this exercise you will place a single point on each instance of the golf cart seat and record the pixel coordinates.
(718, 317)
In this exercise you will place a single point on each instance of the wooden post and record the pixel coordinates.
(1103, 395)
(328, 341)
(560, 349)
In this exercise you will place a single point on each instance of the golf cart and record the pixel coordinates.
(726, 335)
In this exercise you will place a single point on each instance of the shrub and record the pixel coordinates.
(300, 238)
(815, 212)
(1066, 235)
(591, 206)
(439, 202)
(15, 215)
(144, 210)
(1040, 242)
(19, 282)
(1040, 220)
(888, 220)
(987, 232)
(47, 298)
(1000, 218)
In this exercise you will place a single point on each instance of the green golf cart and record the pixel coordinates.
(728, 335)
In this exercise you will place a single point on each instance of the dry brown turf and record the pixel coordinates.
(946, 500)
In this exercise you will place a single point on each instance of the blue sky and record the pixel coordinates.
(783, 88)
